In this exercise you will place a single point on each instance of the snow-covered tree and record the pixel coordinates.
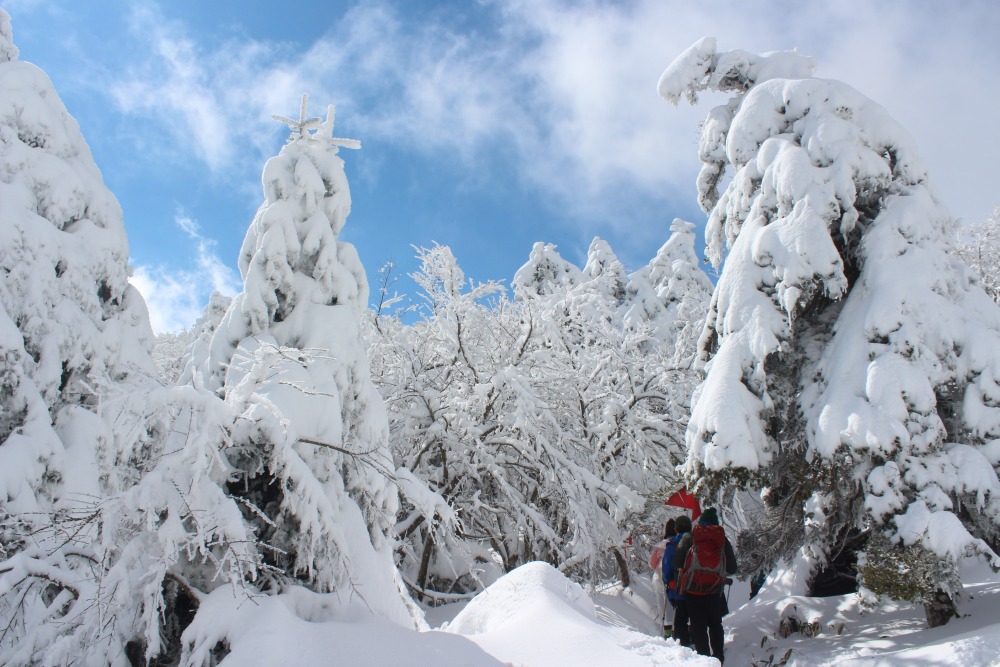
(852, 365)
(100, 466)
(168, 354)
(546, 272)
(71, 322)
(70, 327)
(620, 400)
(537, 427)
(670, 296)
(180, 355)
(605, 273)
(310, 449)
(433, 375)
(296, 491)
(194, 357)
(979, 247)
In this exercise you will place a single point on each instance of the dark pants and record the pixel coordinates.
(706, 612)
(682, 629)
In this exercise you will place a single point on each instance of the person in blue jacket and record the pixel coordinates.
(682, 628)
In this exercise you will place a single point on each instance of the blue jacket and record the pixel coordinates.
(669, 571)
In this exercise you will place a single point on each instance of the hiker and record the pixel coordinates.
(656, 565)
(708, 560)
(681, 630)
(657, 554)
(655, 561)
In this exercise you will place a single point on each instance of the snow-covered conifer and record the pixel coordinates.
(99, 464)
(546, 271)
(584, 305)
(604, 271)
(8, 51)
(194, 357)
(851, 365)
(311, 451)
(979, 247)
(70, 323)
(670, 296)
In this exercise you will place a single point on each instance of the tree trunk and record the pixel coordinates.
(425, 560)
(622, 567)
(501, 549)
(939, 609)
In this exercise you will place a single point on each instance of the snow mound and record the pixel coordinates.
(298, 628)
(536, 617)
(533, 587)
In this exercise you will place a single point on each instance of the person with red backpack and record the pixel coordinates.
(681, 627)
(706, 560)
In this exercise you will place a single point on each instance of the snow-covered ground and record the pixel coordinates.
(893, 634)
(535, 617)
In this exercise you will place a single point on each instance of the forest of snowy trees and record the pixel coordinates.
(536, 427)
(309, 446)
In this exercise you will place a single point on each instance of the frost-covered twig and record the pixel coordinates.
(365, 457)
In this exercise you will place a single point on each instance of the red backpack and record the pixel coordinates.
(704, 570)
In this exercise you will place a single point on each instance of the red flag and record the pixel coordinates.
(684, 499)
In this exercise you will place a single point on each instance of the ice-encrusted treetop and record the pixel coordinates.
(8, 51)
(702, 67)
(545, 272)
(291, 258)
(671, 294)
(314, 129)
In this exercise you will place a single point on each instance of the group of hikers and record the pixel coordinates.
(695, 564)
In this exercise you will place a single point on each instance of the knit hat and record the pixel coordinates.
(682, 524)
(709, 517)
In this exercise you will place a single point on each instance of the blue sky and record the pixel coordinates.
(486, 126)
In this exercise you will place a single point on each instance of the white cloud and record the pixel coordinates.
(176, 297)
(565, 93)
(929, 64)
